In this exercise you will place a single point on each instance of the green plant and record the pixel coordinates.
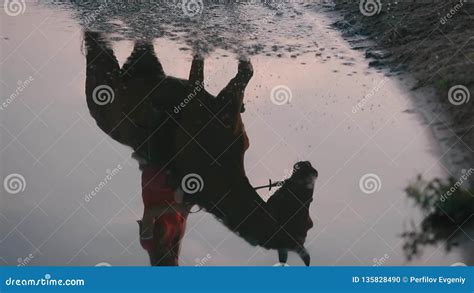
(445, 210)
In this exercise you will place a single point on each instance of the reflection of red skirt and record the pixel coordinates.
(167, 232)
(169, 228)
(155, 191)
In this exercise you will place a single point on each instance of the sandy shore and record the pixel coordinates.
(433, 43)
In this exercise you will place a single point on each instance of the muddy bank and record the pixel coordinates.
(247, 28)
(434, 43)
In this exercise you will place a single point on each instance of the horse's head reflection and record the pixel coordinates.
(190, 146)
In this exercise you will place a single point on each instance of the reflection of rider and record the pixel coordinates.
(164, 220)
(137, 116)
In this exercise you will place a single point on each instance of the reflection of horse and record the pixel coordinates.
(180, 131)
(212, 142)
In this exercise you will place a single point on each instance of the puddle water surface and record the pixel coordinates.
(315, 101)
